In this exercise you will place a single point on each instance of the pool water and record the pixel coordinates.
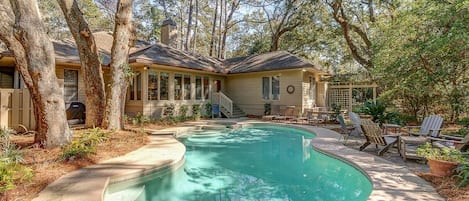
(254, 163)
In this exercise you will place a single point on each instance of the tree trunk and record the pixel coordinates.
(189, 23)
(220, 30)
(22, 30)
(194, 42)
(90, 64)
(214, 25)
(120, 69)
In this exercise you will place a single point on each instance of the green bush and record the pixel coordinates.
(379, 114)
(84, 146)
(267, 108)
(446, 154)
(464, 122)
(208, 109)
(169, 110)
(463, 174)
(140, 119)
(183, 111)
(11, 173)
(196, 111)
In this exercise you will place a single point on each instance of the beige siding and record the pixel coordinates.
(246, 91)
(154, 108)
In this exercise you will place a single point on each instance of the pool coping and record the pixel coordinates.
(390, 181)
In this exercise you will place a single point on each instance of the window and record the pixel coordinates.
(187, 87)
(198, 88)
(164, 86)
(6, 77)
(265, 88)
(70, 85)
(135, 87)
(271, 88)
(152, 85)
(275, 87)
(139, 86)
(177, 86)
(206, 88)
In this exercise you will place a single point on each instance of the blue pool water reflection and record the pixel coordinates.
(255, 163)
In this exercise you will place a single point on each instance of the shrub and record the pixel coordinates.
(208, 109)
(140, 119)
(336, 109)
(379, 114)
(183, 111)
(267, 108)
(84, 146)
(196, 111)
(169, 110)
(463, 174)
(11, 171)
(464, 122)
(446, 154)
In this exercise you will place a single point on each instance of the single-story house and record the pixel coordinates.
(165, 75)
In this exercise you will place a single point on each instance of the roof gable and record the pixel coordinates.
(165, 55)
(278, 60)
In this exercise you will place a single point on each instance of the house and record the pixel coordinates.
(165, 75)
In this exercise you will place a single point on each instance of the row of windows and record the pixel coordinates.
(158, 86)
(271, 88)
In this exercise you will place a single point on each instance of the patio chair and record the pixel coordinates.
(356, 121)
(462, 144)
(345, 130)
(373, 135)
(288, 114)
(430, 128)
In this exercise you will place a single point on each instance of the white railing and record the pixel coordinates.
(225, 102)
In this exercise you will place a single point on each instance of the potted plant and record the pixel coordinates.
(442, 162)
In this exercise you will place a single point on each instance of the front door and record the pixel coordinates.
(218, 85)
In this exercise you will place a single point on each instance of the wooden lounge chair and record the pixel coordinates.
(288, 114)
(373, 135)
(461, 144)
(430, 128)
(346, 130)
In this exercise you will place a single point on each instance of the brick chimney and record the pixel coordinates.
(169, 33)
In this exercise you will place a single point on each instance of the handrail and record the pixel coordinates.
(225, 102)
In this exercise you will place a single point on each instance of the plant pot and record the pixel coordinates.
(441, 168)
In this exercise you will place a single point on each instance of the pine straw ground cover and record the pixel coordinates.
(48, 166)
(447, 187)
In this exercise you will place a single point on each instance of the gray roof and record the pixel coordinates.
(165, 55)
(278, 60)
(105, 39)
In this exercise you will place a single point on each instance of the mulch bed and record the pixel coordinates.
(48, 166)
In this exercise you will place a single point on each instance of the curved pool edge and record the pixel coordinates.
(163, 152)
(390, 181)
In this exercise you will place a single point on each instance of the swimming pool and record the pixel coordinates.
(255, 163)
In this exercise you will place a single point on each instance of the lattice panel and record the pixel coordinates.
(338, 96)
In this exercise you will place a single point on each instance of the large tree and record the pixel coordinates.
(90, 63)
(22, 30)
(120, 69)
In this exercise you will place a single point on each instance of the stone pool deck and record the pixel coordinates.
(390, 181)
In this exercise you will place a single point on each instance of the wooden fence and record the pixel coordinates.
(16, 108)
